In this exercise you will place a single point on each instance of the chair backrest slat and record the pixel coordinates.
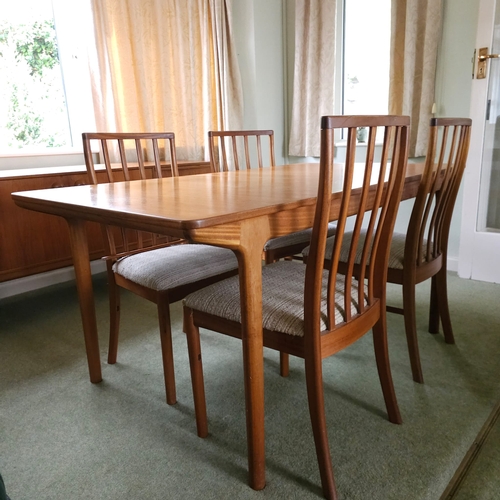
(123, 158)
(241, 148)
(142, 159)
(428, 229)
(371, 194)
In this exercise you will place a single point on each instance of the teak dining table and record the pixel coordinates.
(239, 210)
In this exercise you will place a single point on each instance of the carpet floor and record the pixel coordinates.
(63, 438)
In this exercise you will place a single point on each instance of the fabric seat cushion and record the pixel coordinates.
(396, 257)
(169, 267)
(282, 298)
(296, 238)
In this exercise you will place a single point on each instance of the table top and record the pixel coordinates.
(196, 201)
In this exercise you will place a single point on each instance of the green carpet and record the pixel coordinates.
(63, 438)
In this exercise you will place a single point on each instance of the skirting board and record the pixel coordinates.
(29, 283)
(22, 285)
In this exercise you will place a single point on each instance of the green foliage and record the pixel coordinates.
(37, 44)
(34, 85)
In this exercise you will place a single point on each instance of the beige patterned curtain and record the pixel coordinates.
(166, 65)
(416, 31)
(314, 71)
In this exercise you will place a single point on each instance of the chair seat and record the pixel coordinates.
(170, 267)
(282, 298)
(396, 256)
(296, 238)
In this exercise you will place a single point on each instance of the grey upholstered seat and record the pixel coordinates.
(296, 238)
(282, 298)
(170, 267)
(396, 255)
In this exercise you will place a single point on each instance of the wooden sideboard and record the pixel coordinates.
(32, 242)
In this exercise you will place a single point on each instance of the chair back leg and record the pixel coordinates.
(166, 347)
(410, 319)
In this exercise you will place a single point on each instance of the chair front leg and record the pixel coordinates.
(196, 366)
(384, 369)
(315, 397)
(114, 317)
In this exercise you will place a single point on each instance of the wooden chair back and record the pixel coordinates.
(429, 226)
(230, 150)
(126, 157)
(371, 190)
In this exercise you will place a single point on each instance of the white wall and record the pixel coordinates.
(454, 80)
(258, 32)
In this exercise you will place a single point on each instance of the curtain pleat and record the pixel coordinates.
(415, 36)
(154, 69)
(314, 73)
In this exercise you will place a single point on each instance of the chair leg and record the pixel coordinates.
(384, 369)
(166, 349)
(284, 364)
(196, 366)
(114, 319)
(434, 308)
(444, 311)
(411, 331)
(315, 396)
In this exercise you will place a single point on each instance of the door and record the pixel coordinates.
(479, 255)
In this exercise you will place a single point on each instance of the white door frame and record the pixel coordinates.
(472, 264)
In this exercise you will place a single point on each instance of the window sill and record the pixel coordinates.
(44, 152)
(41, 159)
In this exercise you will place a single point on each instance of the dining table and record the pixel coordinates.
(239, 210)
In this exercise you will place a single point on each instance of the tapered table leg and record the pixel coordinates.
(81, 261)
(249, 256)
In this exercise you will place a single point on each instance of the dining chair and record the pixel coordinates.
(313, 312)
(147, 264)
(242, 149)
(421, 252)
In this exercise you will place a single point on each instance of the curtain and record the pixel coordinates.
(166, 65)
(416, 31)
(314, 71)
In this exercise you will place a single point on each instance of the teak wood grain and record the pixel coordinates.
(238, 210)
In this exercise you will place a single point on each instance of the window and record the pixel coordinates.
(367, 38)
(362, 71)
(45, 103)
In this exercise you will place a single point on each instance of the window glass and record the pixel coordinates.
(367, 35)
(36, 115)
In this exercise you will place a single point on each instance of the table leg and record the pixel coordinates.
(81, 261)
(250, 272)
